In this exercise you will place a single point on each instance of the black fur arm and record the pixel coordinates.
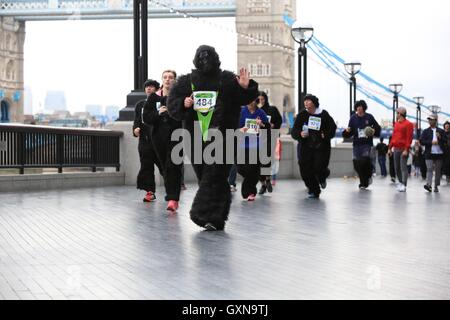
(180, 90)
(149, 113)
(245, 96)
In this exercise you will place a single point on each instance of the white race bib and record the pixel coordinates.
(251, 125)
(204, 101)
(314, 123)
(361, 134)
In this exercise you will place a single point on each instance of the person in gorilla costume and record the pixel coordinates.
(227, 93)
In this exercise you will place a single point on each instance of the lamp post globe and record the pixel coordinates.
(419, 101)
(352, 68)
(302, 34)
(435, 109)
(396, 88)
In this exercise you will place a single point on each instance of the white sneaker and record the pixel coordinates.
(401, 188)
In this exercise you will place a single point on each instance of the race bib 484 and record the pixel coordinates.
(204, 101)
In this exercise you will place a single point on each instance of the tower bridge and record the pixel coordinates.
(262, 19)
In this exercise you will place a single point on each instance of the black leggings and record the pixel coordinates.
(364, 168)
(148, 159)
(250, 171)
(314, 167)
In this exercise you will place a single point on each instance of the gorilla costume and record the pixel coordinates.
(211, 204)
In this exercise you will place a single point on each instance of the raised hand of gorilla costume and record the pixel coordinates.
(211, 204)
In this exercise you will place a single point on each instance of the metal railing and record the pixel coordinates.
(30, 146)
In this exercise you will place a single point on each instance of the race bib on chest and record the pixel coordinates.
(314, 123)
(251, 125)
(361, 134)
(204, 101)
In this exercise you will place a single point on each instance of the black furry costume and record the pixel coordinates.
(212, 202)
(161, 128)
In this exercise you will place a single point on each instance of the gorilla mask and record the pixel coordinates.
(206, 60)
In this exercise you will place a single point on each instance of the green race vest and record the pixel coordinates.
(205, 119)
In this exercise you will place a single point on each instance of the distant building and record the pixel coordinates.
(94, 110)
(70, 122)
(82, 115)
(12, 38)
(29, 119)
(112, 113)
(55, 100)
(27, 101)
(61, 114)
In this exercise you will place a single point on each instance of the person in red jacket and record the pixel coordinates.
(399, 147)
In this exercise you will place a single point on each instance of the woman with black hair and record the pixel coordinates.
(362, 127)
(147, 155)
(155, 114)
(275, 121)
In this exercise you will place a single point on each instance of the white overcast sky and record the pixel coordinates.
(395, 40)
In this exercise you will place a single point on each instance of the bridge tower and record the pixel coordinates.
(271, 67)
(12, 37)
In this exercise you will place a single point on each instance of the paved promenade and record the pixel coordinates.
(106, 243)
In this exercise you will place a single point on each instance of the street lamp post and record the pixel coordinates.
(140, 58)
(352, 69)
(396, 88)
(302, 34)
(419, 101)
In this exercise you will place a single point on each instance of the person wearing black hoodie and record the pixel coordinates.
(314, 128)
(162, 125)
(225, 94)
(275, 120)
(434, 140)
(147, 155)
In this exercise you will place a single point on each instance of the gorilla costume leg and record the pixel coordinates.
(213, 199)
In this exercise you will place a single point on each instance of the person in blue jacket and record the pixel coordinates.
(362, 127)
(251, 121)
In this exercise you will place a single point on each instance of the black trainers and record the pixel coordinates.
(312, 195)
(263, 189)
(210, 227)
(323, 184)
(436, 189)
(427, 187)
(269, 186)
